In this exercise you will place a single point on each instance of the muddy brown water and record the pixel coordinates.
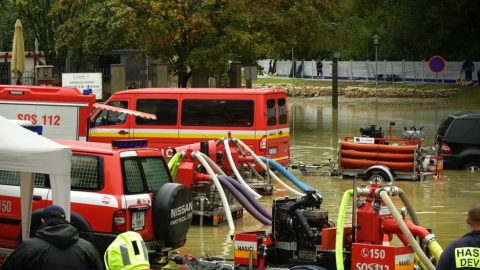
(441, 204)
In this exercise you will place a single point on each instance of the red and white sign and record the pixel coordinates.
(378, 257)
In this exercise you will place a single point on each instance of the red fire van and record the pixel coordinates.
(259, 117)
(62, 111)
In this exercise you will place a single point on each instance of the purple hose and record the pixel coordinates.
(243, 201)
(249, 197)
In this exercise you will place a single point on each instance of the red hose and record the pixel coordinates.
(390, 226)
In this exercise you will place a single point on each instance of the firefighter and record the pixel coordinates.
(56, 245)
(127, 252)
(464, 253)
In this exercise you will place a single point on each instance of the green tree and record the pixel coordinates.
(412, 29)
(206, 34)
(97, 27)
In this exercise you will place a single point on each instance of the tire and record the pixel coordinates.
(472, 166)
(378, 175)
(84, 228)
(172, 225)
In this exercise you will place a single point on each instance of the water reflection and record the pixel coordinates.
(441, 203)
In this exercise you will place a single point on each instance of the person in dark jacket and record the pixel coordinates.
(468, 67)
(464, 253)
(56, 245)
(319, 64)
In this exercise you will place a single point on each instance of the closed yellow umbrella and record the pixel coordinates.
(17, 66)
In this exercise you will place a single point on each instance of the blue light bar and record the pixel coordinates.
(129, 143)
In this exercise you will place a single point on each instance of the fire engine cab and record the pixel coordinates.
(117, 187)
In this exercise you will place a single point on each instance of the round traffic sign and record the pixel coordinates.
(436, 64)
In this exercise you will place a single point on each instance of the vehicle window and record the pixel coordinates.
(156, 173)
(282, 111)
(271, 112)
(12, 178)
(85, 173)
(216, 112)
(112, 118)
(144, 174)
(464, 131)
(164, 109)
(444, 126)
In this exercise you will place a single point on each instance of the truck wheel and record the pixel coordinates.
(172, 214)
(378, 176)
(84, 228)
(472, 166)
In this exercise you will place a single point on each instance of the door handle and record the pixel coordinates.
(123, 132)
(280, 132)
(37, 197)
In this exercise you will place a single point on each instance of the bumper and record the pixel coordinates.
(451, 162)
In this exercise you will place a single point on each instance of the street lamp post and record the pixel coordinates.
(336, 55)
(375, 41)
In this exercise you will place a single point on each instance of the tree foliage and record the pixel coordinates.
(204, 35)
(412, 29)
(208, 34)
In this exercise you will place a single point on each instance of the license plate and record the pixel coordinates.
(272, 151)
(138, 220)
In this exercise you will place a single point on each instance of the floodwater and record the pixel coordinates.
(441, 204)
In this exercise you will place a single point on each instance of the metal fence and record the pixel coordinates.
(6, 76)
(392, 71)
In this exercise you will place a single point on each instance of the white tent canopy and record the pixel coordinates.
(27, 152)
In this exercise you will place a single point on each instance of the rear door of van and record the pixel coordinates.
(162, 132)
(278, 128)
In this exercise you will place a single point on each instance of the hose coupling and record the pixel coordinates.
(390, 190)
(429, 238)
(363, 191)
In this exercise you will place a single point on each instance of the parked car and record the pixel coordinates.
(458, 140)
(115, 188)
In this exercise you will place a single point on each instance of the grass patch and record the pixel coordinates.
(469, 99)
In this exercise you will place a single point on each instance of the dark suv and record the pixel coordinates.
(458, 140)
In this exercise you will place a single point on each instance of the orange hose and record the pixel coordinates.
(364, 163)
(377, 155)
(379, 147)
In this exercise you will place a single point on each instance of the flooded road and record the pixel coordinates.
(441, 204)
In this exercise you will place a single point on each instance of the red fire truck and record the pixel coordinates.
(259, 117)
(62, 111)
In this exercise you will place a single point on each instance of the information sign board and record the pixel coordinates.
(82, 81)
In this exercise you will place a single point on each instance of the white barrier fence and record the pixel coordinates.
(392, 71)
